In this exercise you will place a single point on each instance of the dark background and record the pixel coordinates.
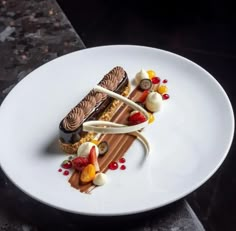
(202, 32)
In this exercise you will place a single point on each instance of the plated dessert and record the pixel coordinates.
(101, 128)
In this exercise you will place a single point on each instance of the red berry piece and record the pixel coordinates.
(165, 96)
(165, 81)
(143, 96)
(80, 162)
(156, 80)
(92, 158)
(136, 118)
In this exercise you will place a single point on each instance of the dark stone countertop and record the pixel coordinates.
(31, 34)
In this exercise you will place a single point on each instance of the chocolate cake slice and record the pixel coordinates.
(94, 106)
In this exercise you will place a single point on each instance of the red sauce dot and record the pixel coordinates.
(156, 80)
(66, 173)
(122, 167)
(122, 160)
(59, 170)
(165, 81)
(67, 164)
(165, 97)
(113, 165)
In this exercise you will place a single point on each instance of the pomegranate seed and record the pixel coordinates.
(156, 80)
(67, 164)
(165, 97)
(66, 173)
(113, 165)
(122, 160)
(122, 167)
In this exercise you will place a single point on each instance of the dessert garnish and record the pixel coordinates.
(153, 102)
(85, 148)
(145, 84)
(113, 165)
(103, 147)
(151, 118)
(122, 160)
(142, 74)
(165, 96)
(151, 74)
(88, 173)
(67, 164)
(156, 80)
(143, 97)
(66, 173)
(107, 139)
(100, 179)
(162, 89)
(136, 117)
(122, 167)
(79, 163)
(93, 158)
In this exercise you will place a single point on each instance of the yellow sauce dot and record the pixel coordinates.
(151, 74)
(162, 89)
(151, 118)
(96, 142)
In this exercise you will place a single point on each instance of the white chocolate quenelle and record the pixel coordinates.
(141, 75)
(100, 179)
(153, 102)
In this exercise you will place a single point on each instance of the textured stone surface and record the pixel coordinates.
(31, 34)
(19, 211)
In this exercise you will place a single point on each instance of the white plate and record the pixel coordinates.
(190, 137)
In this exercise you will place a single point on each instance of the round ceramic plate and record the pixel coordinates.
(189, 139)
